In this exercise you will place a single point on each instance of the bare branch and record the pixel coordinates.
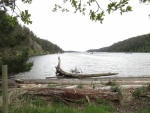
(111, 1)
(98, 6)
(18, 8)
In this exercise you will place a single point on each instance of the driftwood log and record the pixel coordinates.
(60, 72)
(74, 95)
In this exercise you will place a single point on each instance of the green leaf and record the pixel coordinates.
(25, 17)
(128, 8)
(12, 20)
(27, 1)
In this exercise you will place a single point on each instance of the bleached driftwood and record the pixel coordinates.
(60, 72)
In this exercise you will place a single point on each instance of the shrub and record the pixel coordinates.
(117, 89)
(80, 86)
(138, 91)
(16, 63)
(111, 83)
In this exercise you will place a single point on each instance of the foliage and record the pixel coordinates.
(111, 83)
(77, 5)
(103, 102)
(138, 91)
(80, 86)
(10, 53)
(95, 15)
(37, 105)
(20, 37)
(134, 44)
(25, 17)
(99, 109)
(18, 43)
(94, 86)
(144, 110)
(47, 45)
(51, 85)
(5, 23)
(6, 5)
(17, 62)
(116, 88)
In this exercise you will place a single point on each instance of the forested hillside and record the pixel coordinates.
(135, 44)
(17, 43)
(20, 37)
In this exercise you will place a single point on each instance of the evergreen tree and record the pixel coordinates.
(10, 38)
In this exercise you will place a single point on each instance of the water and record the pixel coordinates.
(126, 64)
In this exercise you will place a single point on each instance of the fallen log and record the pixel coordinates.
(74, 95)
(60, 72)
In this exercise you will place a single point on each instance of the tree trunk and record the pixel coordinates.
(60, 72)
(74, 95)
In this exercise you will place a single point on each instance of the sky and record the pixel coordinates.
(73, 31)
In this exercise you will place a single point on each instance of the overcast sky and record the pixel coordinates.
(73, 31)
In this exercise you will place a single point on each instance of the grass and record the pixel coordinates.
(51, 85)
(138, 91)
(145, 110)
(26, 104)
(36, 105)
(93, 86)
(137, 95)
(115, 87)
(80, 86)
(63, 109)
(50, 109)
(99, 109)
(111, 83)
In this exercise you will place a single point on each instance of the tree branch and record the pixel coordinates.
(79, 7)
(98, 6)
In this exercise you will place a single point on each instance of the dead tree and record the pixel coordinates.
(73, 95)
(61, 72)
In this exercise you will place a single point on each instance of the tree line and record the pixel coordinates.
(134, 44)
(18, 43)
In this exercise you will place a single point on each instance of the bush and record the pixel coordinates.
(80, 86)
(138, 91)
(117, 89)
(16, 63)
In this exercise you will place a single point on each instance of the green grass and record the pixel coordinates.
(145, 110)
(98, 109)
(50, 109)
(138, 91)
(63, 109)
(93, 86)
(80, 86)
(115, 87)
(111, 83)
(51, 85)
(36, 105)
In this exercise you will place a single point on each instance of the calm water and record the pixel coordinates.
(127, 65)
